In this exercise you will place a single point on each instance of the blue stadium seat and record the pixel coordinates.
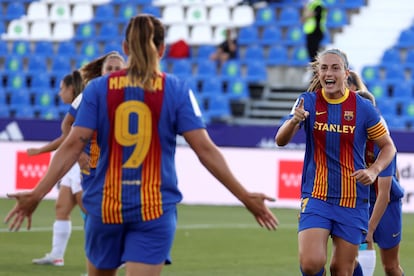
(370, 73)
(61, 65)
(109, 32)
(409, 59)
(21, 48)
(294, 36)
(182, 68)
(230, 69)
(3, 96)
(271, 35)
(390, 57)
(150, 9)
(256, 72)
(247, 35)
(37, 65)
(387, 107)
(253, 52)
(20, 98)
(237, 89)
(44, 99)
(206, 69)
(66, 48)
(277, 55)
(218, 108)
(299, 57)
(23, 111)
(13, 63)
(126, 11)
(43, 48)
(289, 16)
(104, 13)
(90, 49)
(212, 86)
(395, 122)
(14, 10)
(4, 111)
(408, 108)
(336, 18)
(40, 83)
(406, 39)
(16, 81)
(265, 16)
(379, 89)
(403, 90)
(85, 31)
(204, 51)
(112, 46)
(394, 74)
(353, 4)
(4, 51)
(49, 113)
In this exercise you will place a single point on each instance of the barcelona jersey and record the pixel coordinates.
(336, 133)
(136, 132)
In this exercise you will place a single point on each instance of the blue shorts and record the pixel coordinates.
(349, 224)
(107, 246)
(389, 229)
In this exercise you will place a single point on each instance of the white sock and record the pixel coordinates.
(367, 260)
(61, 234)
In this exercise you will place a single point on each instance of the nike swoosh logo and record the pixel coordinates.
(320, 112)
(395, 235)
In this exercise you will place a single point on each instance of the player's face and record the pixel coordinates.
(111, 65)
(332, 75)
(66, 93)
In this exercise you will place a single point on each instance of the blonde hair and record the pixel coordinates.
(144, 36)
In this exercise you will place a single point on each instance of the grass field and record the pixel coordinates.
(210, 240)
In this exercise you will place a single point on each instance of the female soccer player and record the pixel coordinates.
(334, 187)
(131, 204)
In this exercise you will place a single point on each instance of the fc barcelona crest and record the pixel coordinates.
(349, 115)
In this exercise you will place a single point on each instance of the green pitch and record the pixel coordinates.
(210, 240)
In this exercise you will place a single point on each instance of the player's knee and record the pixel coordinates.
(392, 269)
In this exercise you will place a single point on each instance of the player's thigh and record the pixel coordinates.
(64, 202)
(141, 269)
(313, 245)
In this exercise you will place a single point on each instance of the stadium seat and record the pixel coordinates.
(277, 55)
(201, 34)
(219, 15)
(403, 90)
(112, 46)
(299, 57)
(230, 69)
(390, 57)
(182, 68)
(379, 89)
(19, 97)
(43, 48)
(336, 18)
(37, 65)
(20, 48)
(66, 48)
(294, 36)
(18, 29)
(85, 31)
(90, 49)
(206, 69)
(4, 50)
(40, 30)
(212, 87)
(126, 11)
(4, 111)
(3, 96)
(177, 32)
(204, 52)
(218, 108)
(353, 4)
(196, 14)
(289, 16)
(37, 10)
(50, 113)
(394, 74)
(173, 14)
(370, 73)
(63, 31)
(253, 52)
(271, 35)
(409, 59)
(408, 108)
(104, 13)
(219, 35)
(61, 65)
(82, 12)
(406, 39)
(44, 99)
(247, 36)
(109, 32)
(13, 63)
(242, 16)
(149, 9)
(265, 17)
(60, 11)
(14, 10)
(23, 111)
(388, 108)
(256, 72)
(237, 89)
